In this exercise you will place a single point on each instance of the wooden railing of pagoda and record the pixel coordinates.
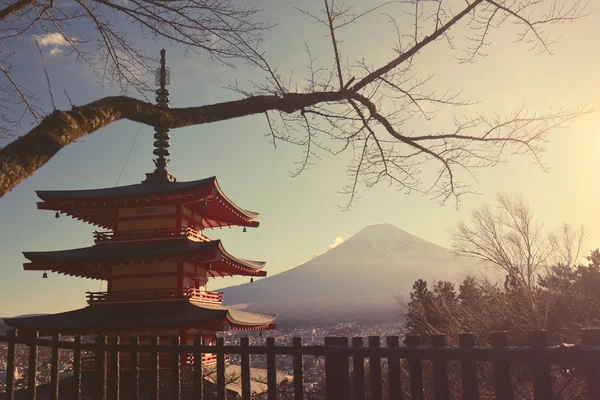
(145, 234)
(207, 359)
(145, 361)
(154, 294)
(424, 369)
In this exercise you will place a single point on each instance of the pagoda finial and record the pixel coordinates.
(161, 144)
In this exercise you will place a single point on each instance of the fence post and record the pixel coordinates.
(415, 368)
(591, 337)
(502, 380)
(358, 363)
(331, 378)
(468, 369)
(10, 365)
(395, 384)
(175, 370)
(343, 370)
(220, 369)
(298, 373)
(100, 392)
(54, 366)
(245, 366)
(32, 366)
(77, 368)
(271, 371)
(115, 369)
(154, 368)
(440, 370)
(198, 380)
(375, 370)
(134, 368)
(542, 381)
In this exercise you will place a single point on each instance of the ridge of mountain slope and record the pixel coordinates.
(357, 278)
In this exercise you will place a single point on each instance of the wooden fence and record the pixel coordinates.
(346, 365)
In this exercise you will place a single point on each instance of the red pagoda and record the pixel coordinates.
(154, 256)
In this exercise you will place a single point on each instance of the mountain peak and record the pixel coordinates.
(381, 229)
(389, 238)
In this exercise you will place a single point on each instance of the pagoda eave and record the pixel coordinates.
(105, 218)
(131, 193)
(248, 328)
(102, 272)
(144, 316)
(99, 206)
(93, 262)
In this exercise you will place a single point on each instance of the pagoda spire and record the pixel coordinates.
(161, 133)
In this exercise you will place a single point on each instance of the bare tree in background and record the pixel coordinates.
(349, 104)
(508, 236)
(566, 243)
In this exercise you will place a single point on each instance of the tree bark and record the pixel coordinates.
(21, 158)
(13, 8)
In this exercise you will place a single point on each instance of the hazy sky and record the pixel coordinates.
(300, 217)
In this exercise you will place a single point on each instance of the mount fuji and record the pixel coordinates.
(355, 281)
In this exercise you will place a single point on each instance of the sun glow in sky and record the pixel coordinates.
(300, 217)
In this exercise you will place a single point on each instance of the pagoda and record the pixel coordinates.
(154, 256)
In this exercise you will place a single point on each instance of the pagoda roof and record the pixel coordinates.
(95, 261)
(143, 316)
(97, 206)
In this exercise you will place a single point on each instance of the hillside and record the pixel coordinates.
(356, 280)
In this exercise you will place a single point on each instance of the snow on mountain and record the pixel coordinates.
(356, 280)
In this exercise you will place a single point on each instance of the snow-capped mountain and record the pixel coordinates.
(356, 280)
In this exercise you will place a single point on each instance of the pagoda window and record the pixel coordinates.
(147, 223)
(158, 282)
(197, 272)
(186, 212)
(132, 212)
(147, 218)
(157, 268)
(144, 277)
(189, 268)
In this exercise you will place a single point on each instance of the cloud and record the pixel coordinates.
(336, 242)
(53, 40)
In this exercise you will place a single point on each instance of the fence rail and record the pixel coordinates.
(346, 365)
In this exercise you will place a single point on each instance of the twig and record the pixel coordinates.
(47, 77)
(68, 98)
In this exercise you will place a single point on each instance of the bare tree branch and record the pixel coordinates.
(415, 49)
(14, 7)
(344, 104)
(47, 77)
(25, 155)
